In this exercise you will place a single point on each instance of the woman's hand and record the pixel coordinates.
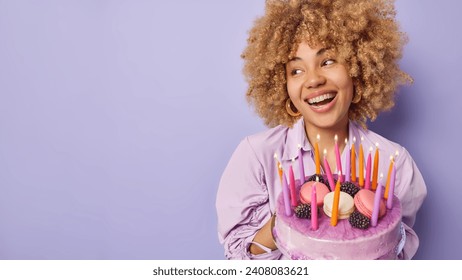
(264, 237)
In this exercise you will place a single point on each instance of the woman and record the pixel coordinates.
(314, 67)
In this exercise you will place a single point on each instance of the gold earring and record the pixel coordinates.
(356, 98)
(291, 111)
(356, 95)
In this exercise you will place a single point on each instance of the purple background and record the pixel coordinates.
(117, 119)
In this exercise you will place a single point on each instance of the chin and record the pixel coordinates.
(323, 123)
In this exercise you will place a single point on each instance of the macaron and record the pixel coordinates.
(364, 202)
(346, 205)
(321, 191)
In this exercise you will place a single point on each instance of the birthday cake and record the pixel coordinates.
(365, 227)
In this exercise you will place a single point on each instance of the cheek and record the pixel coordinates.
(350, 89)
(343, 80)
(347, 86)
(291, 88)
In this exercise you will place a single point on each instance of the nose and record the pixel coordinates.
(314, 79)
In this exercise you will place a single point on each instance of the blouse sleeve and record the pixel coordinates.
(412, 192)
(243, 204)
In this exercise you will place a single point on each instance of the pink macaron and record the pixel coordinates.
(321, 191)
(364, 202)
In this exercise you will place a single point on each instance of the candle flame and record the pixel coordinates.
(325, 152)
(336, 138)
(346, 141)
(362, 138)
(396, 153)
(377, 145)
(354, 139)
(391, 157)
(317, 179)
(318, 137)
(370, 149)
(281, 167)
(275, 156)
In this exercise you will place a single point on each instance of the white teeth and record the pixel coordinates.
(320, 98)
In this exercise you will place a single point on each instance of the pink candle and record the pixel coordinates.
(347, 167)
(301, 165)
(314, 209)
(330, 178)
(353, 161)
(337, 157)
(286, 196)
(375, 171)
(377, 199)
(293, 194)
(392, 188)
(367, 183)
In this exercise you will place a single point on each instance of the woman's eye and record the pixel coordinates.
(295, 72)
(328, 62)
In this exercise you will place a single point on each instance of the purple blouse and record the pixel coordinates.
(250, 184)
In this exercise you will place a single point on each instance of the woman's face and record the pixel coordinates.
(319, 87)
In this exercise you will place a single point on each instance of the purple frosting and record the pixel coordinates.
(296, 238)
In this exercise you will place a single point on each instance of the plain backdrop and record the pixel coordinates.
(118, 117)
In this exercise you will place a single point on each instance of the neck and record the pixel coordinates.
(327, 135)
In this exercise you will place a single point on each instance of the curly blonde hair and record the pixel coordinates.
(364, 33)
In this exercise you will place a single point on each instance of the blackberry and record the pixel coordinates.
(349, 188)
(320, 179)
(358, 220)
(303, 211)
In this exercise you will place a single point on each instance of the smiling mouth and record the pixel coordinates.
(321, 100)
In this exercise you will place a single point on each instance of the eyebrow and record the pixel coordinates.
(319, 53)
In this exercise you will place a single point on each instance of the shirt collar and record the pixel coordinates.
(295, 136)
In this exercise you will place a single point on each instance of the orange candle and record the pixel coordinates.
(353, 161)
(317, 156)
(375, 172)
(334, 218)
(361, 164)
(279, 167)
(387, 186)
(280, 171)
